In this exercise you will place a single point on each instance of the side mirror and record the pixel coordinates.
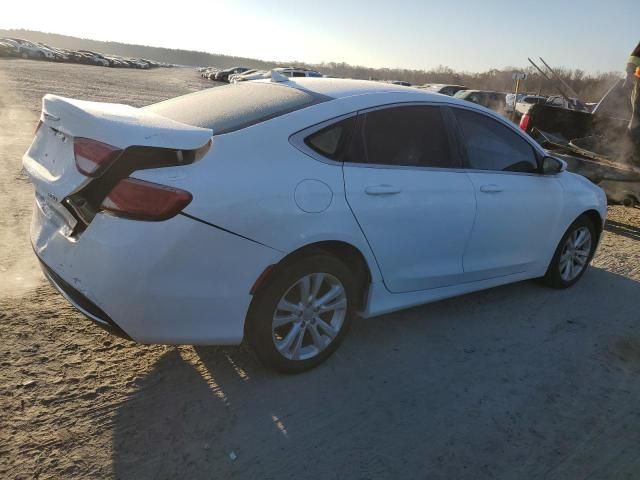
(553, 166)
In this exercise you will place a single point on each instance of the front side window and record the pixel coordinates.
(493, 146)
(298, 74)
(406, 136)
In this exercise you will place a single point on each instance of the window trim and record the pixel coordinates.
(463, 149)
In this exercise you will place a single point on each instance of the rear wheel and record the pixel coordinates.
(572, 255)
(300, 317)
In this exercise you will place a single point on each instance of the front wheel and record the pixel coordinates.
(573, 254)
(300, 317)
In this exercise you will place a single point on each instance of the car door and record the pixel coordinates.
(517, 206)
(411, 200)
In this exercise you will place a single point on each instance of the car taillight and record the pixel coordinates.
(141, 200)
(524, 121)
(93, 157)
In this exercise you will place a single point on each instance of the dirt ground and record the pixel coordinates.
(515, 382)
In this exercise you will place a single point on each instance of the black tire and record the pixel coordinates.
(258, 329)
(553, 277)
(629, 201)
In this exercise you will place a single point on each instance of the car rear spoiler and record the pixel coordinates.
(119, 125)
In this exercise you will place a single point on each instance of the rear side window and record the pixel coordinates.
(332, 141)
(232, 107)
(492, 146)
(406, 136)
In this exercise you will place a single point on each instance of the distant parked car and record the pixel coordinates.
(28, 49)
(207, 71)
(8, 50)
(117, 62)
(233, 76)
(140, 63)
(510, 104)
(299, 72)
(58, 54)
(523, 105)
(286, 71)
(223, 75)
(73, 56)
(249, 75)
(445, 89)
(495, 101)
(400, 82)
(95, 58)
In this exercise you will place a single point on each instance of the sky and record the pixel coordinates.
(466, 35)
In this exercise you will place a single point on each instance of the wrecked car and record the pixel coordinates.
(594, 144)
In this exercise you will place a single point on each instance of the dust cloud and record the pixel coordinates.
(19, 271)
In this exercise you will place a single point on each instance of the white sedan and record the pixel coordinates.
(278, 210)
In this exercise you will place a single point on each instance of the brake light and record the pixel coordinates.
(140, 200)
(524, 121)
(93, 157)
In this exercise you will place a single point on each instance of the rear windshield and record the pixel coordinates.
(232, 107)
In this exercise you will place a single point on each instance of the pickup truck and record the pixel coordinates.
(594, 144)
(609, 117)
(571, 103)
(524, 104)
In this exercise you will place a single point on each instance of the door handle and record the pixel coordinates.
(382, 190)
(491, 188)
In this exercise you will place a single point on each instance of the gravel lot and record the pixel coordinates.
(515, 382)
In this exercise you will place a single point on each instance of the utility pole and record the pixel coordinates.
(517, 76)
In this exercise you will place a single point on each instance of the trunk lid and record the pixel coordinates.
(50, 160)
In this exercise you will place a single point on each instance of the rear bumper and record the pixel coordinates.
(82, 303)
(173, 282)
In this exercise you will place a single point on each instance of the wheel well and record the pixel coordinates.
(345, 252)
(596, 219)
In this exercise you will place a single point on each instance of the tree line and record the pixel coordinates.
(589, 87)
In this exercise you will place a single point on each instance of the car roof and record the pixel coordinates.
(342, 88)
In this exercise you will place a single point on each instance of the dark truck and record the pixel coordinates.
(594, 144)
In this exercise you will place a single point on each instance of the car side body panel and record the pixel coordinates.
(175, 282)
(256, 199)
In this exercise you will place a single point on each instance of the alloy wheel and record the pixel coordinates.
(309, 316)
(575, 254)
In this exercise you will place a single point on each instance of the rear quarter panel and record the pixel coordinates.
(247, 184)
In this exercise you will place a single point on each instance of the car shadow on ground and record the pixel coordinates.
(623, 229)
(519, 381)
